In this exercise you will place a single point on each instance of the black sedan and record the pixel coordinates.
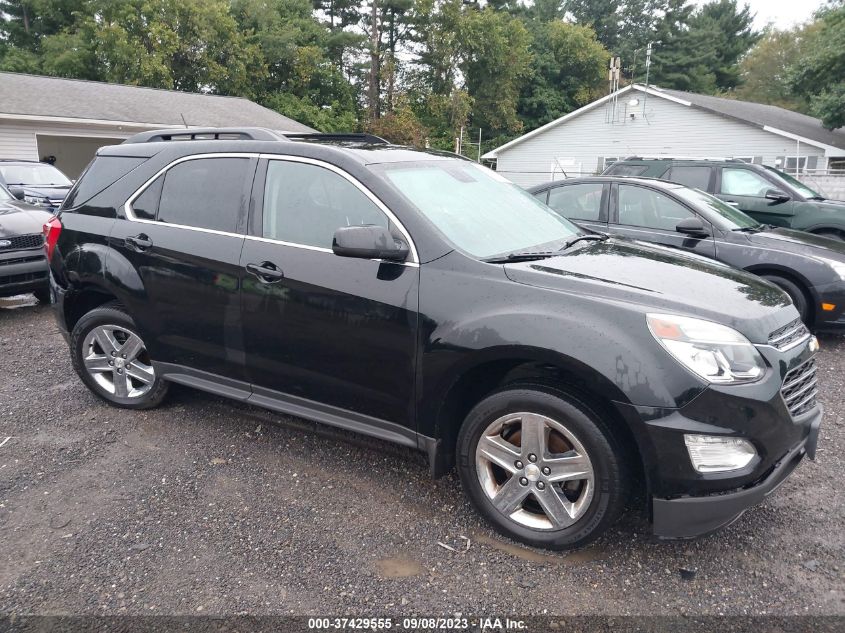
(23, 266)
(809, 268)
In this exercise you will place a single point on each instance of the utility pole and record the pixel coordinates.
(374, 62)
(647, 68)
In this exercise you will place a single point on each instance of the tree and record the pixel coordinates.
(734, 36)
(568, 70)
(821, 72)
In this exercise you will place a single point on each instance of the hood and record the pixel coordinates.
(799, 242)
(17, 218)
(829, 205)
(51, 192)
(661, 281)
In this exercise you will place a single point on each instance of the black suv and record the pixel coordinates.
(766, 194)
(420, 298)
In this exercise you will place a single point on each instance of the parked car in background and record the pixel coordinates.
(422, 299)
(38, 184)
(766, 194)
(809, 268)
(23, 266)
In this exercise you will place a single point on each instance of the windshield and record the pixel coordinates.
(480, 212)
(733, 217)
(796, 184)
(36, 174)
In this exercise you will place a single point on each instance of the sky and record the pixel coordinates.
(783, 13)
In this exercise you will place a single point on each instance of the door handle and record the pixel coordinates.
(267, 272)
(140, 242)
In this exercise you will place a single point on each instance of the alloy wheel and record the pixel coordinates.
(535, 471)
(117, 360)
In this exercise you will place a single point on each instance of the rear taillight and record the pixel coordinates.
(52, 229)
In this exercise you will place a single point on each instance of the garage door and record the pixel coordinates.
(73, 153)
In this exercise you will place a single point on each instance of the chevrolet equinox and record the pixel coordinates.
(419, 298)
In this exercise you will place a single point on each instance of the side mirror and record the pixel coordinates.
(368, 242)
(692, 226)
(777, 195)
(17, 192)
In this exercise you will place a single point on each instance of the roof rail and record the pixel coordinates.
(206, 134)
(722, 159)
(248, 134)
(349, 137)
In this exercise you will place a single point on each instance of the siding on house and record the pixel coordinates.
(580, 144)
(18, 138)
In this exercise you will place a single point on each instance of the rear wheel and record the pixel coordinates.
(542, 467)
(799, 299)
(112, 359)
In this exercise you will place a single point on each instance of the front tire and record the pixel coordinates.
(112, 359)
(799, 299)
(542, 467)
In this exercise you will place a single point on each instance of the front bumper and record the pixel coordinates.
(686, 503)
(22, 271)
(832, 295)
(690, 517)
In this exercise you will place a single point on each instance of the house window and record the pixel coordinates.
(796, 164)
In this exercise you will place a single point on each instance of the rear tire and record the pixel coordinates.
(559, 494)
(112, 360)
(799, 299)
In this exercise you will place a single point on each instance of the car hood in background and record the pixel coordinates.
(799, 242)
(662, 281)
(18, 218)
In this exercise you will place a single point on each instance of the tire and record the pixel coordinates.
(492, 435)
(98, 344)
(43, 296)
(795, 293)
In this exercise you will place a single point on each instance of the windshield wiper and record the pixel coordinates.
(590, 237)
(525, 256)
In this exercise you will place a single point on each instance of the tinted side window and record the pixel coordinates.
(689, 175)
(145, 206)
(306, 204)
(206, 193)
(102, 172)
(627, 170)
(579, 202)
(639, 206)
(744, 182)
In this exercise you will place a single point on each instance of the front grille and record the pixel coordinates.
(790, 334)
(6, 280)
(22, 241)
(22, 260)
(799, 389)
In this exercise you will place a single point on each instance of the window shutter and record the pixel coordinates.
(781, 163)
(600, 165)
(757, 160)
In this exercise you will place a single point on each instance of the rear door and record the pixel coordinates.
(746, 189)
(583, 203)
(695, 176)
(183, 237)
(322, 330)
(642, 213)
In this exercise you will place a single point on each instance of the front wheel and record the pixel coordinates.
(542, 467)
(112, 359)
(799, 299)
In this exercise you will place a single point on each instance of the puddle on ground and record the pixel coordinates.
(398, 567)
(18, 301)
(525, 553)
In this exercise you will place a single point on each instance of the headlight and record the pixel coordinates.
(38, 201)
(715, 352)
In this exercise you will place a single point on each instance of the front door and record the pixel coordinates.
(642, 213)
(318, 327)
(183, 237)
(746, 190)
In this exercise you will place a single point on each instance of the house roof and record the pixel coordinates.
(770, 118)
(50, 98)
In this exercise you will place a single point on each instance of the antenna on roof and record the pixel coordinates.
(183, 119)
(647, 68)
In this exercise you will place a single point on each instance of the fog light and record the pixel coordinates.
(714, 453)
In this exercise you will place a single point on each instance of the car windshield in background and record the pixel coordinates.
(735, 218)
(40, 175)
(5, 195)
(476, 209)
(796, 184)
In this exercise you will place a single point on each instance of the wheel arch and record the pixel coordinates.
(792, 275)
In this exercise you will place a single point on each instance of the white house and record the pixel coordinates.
(70, 118)
(636, 121)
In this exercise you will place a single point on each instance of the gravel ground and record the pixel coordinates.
(209, 506)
